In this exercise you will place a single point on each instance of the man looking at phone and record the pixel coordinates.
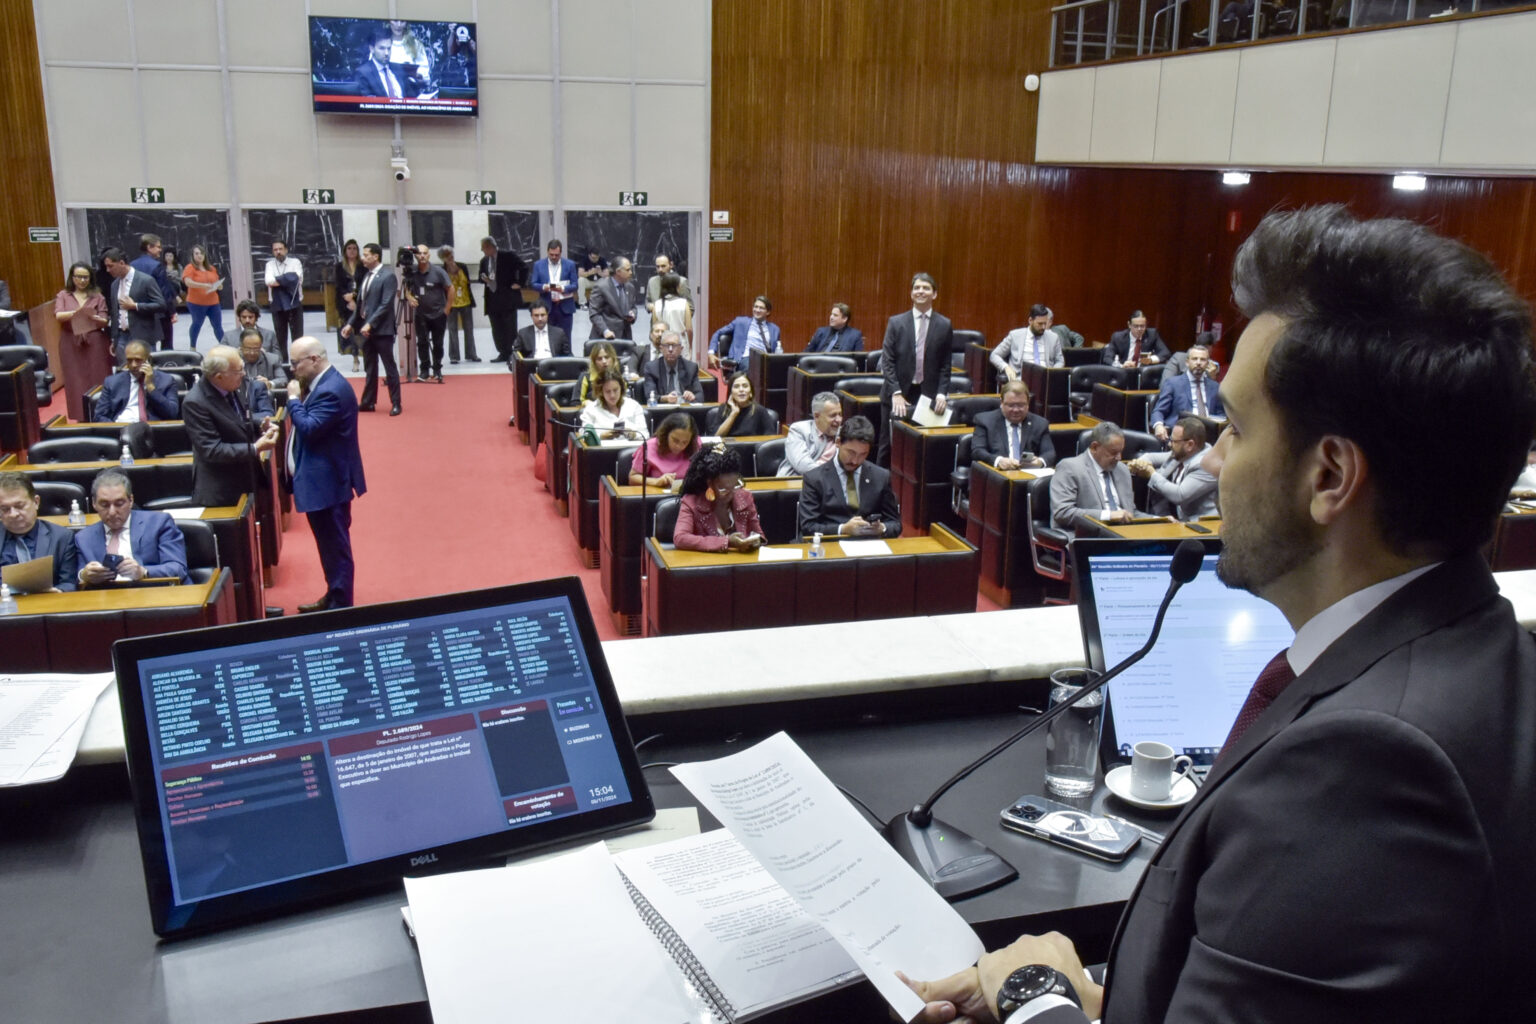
(848, 496)
(128, 544)
(1361, 849)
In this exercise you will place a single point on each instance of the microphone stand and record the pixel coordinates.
(957, 864)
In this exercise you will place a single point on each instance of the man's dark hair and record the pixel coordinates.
(1039, 309)
(247, 306)
(382, 32)
(856, 428)
(111, 478)
(1389, 331)
(1193, 428)
(924, 276)
(114, 254)
(767, 303)
(1104, 433)
(145, 241)
(538, 304)
(373, 247)
(18, 482)
(249, 332)
(707, 464)
(845, 309)
(1135, 314)
(554, 243)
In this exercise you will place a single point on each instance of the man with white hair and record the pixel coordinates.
(226, 444)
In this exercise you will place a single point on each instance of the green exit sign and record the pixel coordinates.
(146, 194)
(480, 197)
(634, 199)
(319, 196)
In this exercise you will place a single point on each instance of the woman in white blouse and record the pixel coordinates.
(612, 412)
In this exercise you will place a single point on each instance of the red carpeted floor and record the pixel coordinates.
(452, 504)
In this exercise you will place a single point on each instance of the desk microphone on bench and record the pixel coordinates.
(959, 865)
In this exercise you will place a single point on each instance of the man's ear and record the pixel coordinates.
(1338, 475)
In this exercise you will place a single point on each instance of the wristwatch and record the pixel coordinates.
(1030, 983)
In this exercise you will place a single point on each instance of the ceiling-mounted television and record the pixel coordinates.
(381, 66)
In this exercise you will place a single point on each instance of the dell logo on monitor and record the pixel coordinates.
(426, 858)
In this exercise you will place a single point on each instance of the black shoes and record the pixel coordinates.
(365, 408)
(316, 606)
(394, 411)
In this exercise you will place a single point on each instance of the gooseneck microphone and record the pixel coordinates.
(957, 864)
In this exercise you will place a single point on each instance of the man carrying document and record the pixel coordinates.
(27, 537)
(1362, 847)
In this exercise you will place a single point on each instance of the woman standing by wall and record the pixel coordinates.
(85, 351)
(348, 278)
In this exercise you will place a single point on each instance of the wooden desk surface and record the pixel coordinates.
(938, 540)
(210, 513)
(1160, 531)
(114, 599)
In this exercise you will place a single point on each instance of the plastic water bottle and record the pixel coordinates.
(76, 517)
(127, 459)
(7, 602)
(817, 550)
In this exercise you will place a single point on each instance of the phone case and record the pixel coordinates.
(1068, 826)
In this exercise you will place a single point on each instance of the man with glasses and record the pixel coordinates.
(671, 379)
(27, 537)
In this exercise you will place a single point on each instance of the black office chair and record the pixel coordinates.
(139, 438)
(625, 463)
(563, 393)
(959, 342)
(769, 457)
(54, 497)
(863, 387)
(960, 478)
(176, 357)
(1080, 387)
(820, 363)
(1150, 377)
(1050, 548)
(202, 549)
(959, 384)
(12, 356)
(1137, 443)
(74, 449)
(871, 360)
(561, 368)
(967, 407)
(666, 520)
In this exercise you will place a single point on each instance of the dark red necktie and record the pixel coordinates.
(1277, 675)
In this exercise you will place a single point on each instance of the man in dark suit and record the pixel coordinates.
(151, 263)
(1185, 393)
(1375, 790)
(541, 339)
(923, 332)
(1010, 436)
(837, 336)
(134, 303)
(847, 496)
(327, 465)
(502, 274)
(226, 444)
(27, 537)
(138, 392)
(555, 281)
(375, 322)
(127, 543)
(611, 303)
(376, 76)
(1095, 484)
(1137, 345)
(672, 378)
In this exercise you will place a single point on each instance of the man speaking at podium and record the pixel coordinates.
(1363, 847)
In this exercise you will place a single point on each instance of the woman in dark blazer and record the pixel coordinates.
(739, 415)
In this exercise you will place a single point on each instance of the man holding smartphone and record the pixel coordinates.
(848, 496)
(128, 544)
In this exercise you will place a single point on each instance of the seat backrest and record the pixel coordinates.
(968, 407)
(773, 420)
(12, 356)
(959, 341)
(176, 357)
(561, 368)
(818, 363)
(1038, 493)
(863, 386)
(1085, 377)
(74, 449)
(871, 360)
(666, 520)
(1150, 377)
(139, 438)
(54, 497)
(963, 452)
(202, 549)
(959, 384)
(770, 455)
(1140, 443)
(625, 463)
(563, 393)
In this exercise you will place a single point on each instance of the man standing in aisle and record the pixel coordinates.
(134, 303)
(653, 286)
(1361, 849)
(555, 281)
(430, 292)
(226, 444)
(611, 303)
(503, 274)
(916, 360)
(375, 322)
(285, 296)
(150, 262)
(327, 465)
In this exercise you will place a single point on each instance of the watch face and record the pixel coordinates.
(1026, 983)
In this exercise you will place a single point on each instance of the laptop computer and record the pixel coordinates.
(282, 762)
(1188, 690)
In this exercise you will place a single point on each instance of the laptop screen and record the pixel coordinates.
(1215, 641)
(287, 760)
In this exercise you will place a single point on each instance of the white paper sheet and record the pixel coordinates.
(810, 839)
(42, 717)
(924, 416)
(195, 512)
(768, 554)
(864, 548)
(507, 944)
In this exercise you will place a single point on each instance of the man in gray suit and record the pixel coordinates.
(134, 304)
(813, 442)
(1362, 848)
(375, 322)
(847, 496)
(611, 303)
(1033, 343)
(1095, 484)
(1179, 485)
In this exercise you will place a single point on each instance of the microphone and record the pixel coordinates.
(959, 865)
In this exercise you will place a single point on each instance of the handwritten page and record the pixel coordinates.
(42, 717)
(791, 817)
(924, 416)
(475, 930)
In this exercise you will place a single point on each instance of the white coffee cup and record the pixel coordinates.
(1154, 769)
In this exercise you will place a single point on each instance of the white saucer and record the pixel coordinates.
(1119, 782)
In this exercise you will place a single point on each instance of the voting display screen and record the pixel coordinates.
(1215, 641)
(390, 739)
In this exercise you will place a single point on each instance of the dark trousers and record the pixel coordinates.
(503, 332)
(167, 333)
(562, 321)
(332, 528)
(375, 348)
(463, 317)
(429, 344)
(883, 453)
(286, 324)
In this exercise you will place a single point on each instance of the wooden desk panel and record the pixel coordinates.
(1049, 391)
(522, 373)
(921, 461)
(697, 591)
(1126, 408)
(769, 374)
(1514, 540)
(978, 367)
(74, 632)
(801, 387)
(998, 525)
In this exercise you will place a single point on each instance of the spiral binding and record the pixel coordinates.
(682, 954)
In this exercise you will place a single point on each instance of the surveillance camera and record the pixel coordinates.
(401, 168)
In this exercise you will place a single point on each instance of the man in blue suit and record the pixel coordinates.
(837, 336)
(733, 341)
(555, 280)
(1192, 392)
(150, 263)
(326, 464)
(127, 543)
(138, 392)
(26, 537)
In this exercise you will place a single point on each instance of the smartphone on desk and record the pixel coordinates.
(1068, 826)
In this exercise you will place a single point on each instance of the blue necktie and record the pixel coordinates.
(1109, 492)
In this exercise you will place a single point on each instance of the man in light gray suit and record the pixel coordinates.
(611, 303)
(814, 441)
(1035, 343)
(1094, 484)
(1179, 486)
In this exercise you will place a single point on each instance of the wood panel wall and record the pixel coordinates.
(33, 270)
(857, 142)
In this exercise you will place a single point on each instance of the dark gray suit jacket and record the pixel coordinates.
(608, 303)
(1364, 851)
(989, 437)
(143, 322)
(376, 303)
(824, 506)
(899, 363)
(224, 464)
